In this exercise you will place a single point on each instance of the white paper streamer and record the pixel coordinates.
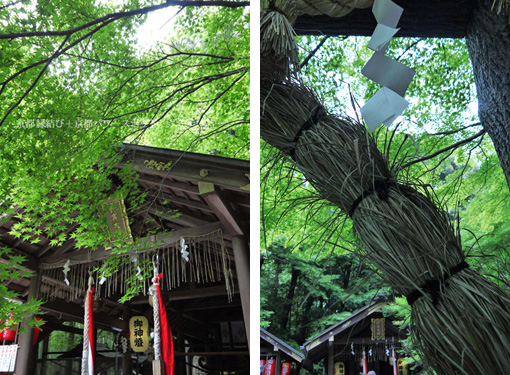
(66, 270)
(383, 108)
(381, 37)
(388, 72)
(387, 12)
(388, 103)
(184, 253)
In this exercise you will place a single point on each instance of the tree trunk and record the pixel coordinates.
(290, 297)
(488, 42)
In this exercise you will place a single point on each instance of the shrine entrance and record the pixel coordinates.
(365, 341)
(195, 224)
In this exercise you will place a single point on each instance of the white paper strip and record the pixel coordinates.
(381, 37)
(388, 72)
(387, 12)
(383, 108)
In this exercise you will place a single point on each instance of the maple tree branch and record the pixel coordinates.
(448, 148)
(130, 13)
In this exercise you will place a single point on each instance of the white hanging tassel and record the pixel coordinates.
(66, 270)
(185, 254)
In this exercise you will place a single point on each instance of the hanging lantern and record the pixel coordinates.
(270, 367)
(286, 368)
(139, 333)
(339, 368)
(262, 365)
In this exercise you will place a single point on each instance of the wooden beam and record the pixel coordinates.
(422, 19)
(223, 209)
(75, 312)
(180, 295)
(211, 354)
(161, 181)
(142, 244)
(231, 173)
(181, 219)
(181, 201)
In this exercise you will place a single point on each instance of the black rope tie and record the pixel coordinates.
(381, 187)
(306, 126)
(433, 286)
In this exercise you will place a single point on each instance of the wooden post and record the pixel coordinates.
(44, 355)
(126, 357)
(158, 368)
(242, 260)
(331, 355)
(180, 365)
(278, 362)
(26, 354)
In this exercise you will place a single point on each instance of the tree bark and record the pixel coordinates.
(488, 42)
(290, 297)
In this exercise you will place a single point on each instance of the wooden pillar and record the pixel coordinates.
(180, 365)
(242, 259)
(278, 362)
(45, 344)
(26, 354)
(126, 357)
(331, 355)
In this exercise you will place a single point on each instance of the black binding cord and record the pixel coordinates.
(306, 126)
(380, 186)
(433, 286)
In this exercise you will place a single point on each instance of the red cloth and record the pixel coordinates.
(167, 342)
(36, 331)
(91, 335)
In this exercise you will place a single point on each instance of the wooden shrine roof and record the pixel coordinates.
(209, 192)
(354, 329)
(431, 19)
(275, 344)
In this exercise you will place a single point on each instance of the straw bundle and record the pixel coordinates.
(278, 48)
(459, 319)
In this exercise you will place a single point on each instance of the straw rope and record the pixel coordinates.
(459, 319)
(155, 307)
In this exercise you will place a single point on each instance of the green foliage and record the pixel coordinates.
(303, 294)
(10, 305)
(67, 102)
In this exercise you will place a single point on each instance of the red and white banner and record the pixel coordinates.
(364, 362)
(167, 342)
(395, 365)
(90, 356)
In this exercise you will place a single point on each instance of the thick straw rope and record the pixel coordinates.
(155, 309)
(459, 319)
